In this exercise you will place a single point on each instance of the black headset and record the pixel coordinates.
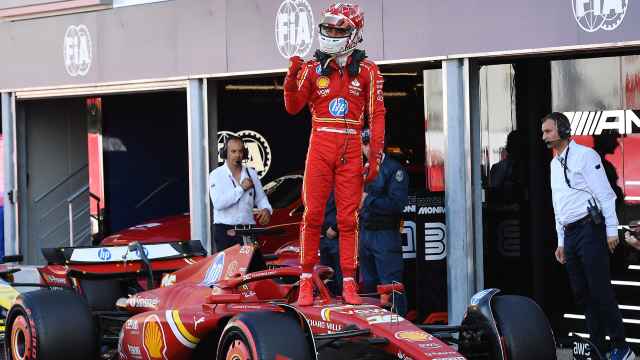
(223, 151)
(562, 124)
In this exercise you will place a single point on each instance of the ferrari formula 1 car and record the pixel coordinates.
(231, 306)
(99, 274)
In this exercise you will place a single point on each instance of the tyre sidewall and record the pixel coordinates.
(60, 323)
(268, 334)
(524, 328)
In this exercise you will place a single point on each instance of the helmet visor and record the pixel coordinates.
(335, 31)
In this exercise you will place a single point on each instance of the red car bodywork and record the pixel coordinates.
(169, 322)
(59, 273)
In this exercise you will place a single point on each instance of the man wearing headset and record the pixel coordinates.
(341, 88)
(381, 210)
(234, 190)
(587, 229)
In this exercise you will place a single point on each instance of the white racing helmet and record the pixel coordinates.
(349, 20)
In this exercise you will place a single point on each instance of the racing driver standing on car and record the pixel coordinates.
(342, 89)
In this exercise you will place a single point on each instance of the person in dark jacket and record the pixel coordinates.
(329, 249)
(380, 246)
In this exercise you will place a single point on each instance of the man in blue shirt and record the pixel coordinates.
(380, 244)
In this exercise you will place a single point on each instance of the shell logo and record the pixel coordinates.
(325, 314)
(155, 343)
(322, 82)
(412, 336)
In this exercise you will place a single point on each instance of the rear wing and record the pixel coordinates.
(116, 254)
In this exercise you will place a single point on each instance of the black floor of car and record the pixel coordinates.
(353, 350)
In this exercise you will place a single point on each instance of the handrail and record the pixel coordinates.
(70, 200)
(59, 184)
(78, 193)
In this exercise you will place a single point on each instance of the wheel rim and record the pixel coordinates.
(20, 339)
(238, 350)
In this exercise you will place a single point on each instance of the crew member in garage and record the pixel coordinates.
(329, 249)
(341, 88)
(587, 229)
(381, 208)
(235, 190)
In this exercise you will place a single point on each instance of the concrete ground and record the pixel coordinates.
(564, 354)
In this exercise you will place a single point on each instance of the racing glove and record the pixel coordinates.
(295, 64)
(372, 167)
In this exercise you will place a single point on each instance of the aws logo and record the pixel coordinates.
(593, 15)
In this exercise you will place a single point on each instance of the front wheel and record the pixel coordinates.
(524, 329)
(263, 336)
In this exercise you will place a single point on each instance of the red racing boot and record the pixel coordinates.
(385, 300)
(350, 291)
(305, 290)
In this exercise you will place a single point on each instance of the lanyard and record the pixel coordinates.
(564, 163)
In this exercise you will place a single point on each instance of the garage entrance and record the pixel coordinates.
(93, 166)
(54, 201)
(600, 97)
(146, 162)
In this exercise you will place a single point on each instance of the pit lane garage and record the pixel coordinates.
(96, 165)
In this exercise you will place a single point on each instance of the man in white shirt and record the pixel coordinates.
(235, 189)
(586, 224)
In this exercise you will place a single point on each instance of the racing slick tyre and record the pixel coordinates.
(263, 336)
(49, 325)
(524, 328)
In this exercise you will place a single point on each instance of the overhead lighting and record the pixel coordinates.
(279, 88)
(395, 93)
(631, 340)
(252, 87)
(625, 283)
(400, 74)
(35, 9)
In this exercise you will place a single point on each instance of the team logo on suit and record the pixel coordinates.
(338, 107)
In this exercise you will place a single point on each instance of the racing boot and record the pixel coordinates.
(385, 301)
(350, 291)
(305, 290)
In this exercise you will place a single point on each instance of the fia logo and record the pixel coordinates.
(294, 28)
(338, 107)
(77, 50)
(259, 156)
(592, 15)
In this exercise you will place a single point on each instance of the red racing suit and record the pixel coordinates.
(339, 104)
